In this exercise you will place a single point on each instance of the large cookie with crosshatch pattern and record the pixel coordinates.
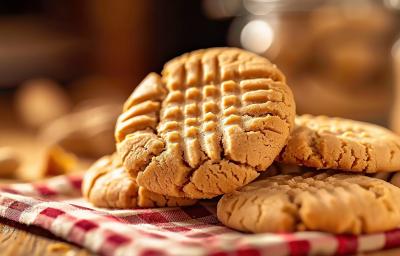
(335, 143)
(214, 120)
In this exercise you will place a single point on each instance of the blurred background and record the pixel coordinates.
(67, 66)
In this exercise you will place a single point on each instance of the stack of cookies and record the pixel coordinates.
(222, 121)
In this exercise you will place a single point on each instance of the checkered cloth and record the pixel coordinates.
(56, 205)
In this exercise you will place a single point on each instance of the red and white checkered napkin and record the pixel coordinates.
(56, 205)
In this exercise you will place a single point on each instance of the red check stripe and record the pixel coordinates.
(52, 212)
(75, 181)
(56, 205)
(153, 217)
(13, 212)
(45, 190)
(392, 239)
(346, 245)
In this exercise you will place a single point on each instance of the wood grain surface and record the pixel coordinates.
(20, 240)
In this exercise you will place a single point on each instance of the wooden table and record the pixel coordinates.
(20, 240)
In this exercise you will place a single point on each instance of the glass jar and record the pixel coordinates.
(335, 53)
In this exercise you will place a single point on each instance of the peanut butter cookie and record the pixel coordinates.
(210, 124)
(9, 162)
(321, 201)
(391, 177)
(107, 184)
(334, 143)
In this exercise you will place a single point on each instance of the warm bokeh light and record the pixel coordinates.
(257, 36)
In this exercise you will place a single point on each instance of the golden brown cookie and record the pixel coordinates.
(40, 101)
(284, 169)
(57, 161)
(210, 124)
(9, 162)
(321, 201)
(86, 132)
(334, 143)
(391, 177)
(107, 184)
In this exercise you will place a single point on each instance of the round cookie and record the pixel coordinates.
(334, 143)
(391, 177)
(209, 125)
(9, 162)
(331, 202)
(107, 184)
